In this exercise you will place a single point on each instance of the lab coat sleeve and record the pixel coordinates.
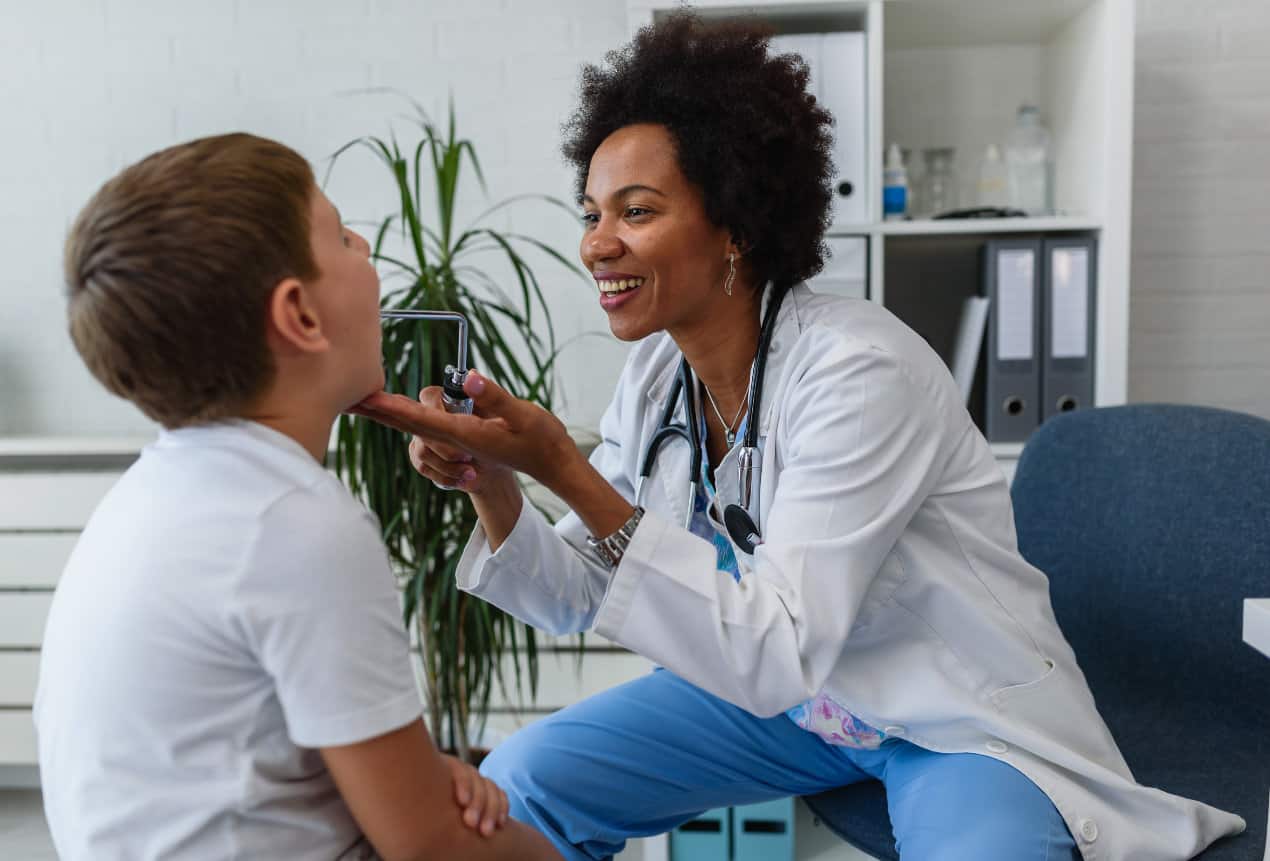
(859, 447)
(545, 575)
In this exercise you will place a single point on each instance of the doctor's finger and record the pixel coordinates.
(418, 446)
(409, 416)
(451, 473)
(488, 439)
(431, 398)
(489, 398)
(439, 480)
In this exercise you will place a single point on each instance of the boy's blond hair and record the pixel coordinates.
(169, 270)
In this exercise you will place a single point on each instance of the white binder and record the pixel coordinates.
(838, 66)
(846, 272)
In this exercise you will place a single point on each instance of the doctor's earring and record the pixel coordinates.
(727, 285)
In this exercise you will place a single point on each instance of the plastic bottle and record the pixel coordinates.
(939, 182)
(993, 188)
(1028, 164)
(894, 185)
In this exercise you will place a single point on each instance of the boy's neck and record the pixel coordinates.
(315, 437)
(309, 424)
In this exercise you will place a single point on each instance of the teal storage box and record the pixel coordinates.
(763, 832)
(704, 838)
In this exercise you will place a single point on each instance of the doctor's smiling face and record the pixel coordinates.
(658, 261)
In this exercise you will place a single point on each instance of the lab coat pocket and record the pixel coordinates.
(1006, 697)
(1059, 705)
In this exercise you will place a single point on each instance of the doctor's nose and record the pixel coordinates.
(601, 243)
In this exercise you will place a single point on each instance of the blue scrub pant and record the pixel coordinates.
(643, 757)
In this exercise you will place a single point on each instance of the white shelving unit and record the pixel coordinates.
(943, 73)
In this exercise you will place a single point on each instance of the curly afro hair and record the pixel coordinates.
(747, 132)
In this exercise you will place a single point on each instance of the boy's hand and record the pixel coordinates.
(484, 804)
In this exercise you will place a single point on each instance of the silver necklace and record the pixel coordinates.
(728, 427)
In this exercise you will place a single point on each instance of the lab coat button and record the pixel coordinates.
(895, 731)
(1088, 830)
(997, 746)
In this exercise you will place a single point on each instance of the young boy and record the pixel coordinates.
(225, 673)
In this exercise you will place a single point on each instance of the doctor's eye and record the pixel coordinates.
(637, 211)
(589, 219)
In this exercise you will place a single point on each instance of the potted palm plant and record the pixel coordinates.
(466, 644)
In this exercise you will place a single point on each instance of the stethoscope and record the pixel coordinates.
(739, 519)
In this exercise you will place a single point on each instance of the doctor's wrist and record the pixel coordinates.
(560, 465)
(598, 505)
(498, 507)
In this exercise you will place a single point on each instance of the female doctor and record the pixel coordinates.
(869, 615)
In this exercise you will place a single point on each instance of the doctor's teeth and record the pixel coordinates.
(619, 285)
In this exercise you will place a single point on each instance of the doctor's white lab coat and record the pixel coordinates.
(890, 577)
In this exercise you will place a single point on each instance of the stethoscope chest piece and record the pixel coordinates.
(741, 528)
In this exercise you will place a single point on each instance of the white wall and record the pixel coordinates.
(1200, 304)
(88, 86)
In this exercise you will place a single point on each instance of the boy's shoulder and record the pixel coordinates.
(256, 504)
(238, 466)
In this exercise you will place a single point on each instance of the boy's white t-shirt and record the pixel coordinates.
(228, 609)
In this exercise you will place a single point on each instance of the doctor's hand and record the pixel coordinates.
(453, 468)
(503, 431)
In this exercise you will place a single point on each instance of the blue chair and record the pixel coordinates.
(1153, 524)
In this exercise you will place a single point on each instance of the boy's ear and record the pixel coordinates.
(294, 319)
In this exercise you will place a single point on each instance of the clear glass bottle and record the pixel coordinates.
(994, 183)
(939, 184)
(1029, 164)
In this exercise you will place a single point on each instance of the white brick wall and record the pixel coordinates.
(87, 86)
(1200, 300)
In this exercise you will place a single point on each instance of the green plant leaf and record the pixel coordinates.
(463, 641)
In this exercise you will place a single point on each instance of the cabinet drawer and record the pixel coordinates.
(562, 681)
(33, 559)
(51, 500)
(17, 738)
(22, 617)
(18, 674)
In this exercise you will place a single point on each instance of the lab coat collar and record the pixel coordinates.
(788, 326)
